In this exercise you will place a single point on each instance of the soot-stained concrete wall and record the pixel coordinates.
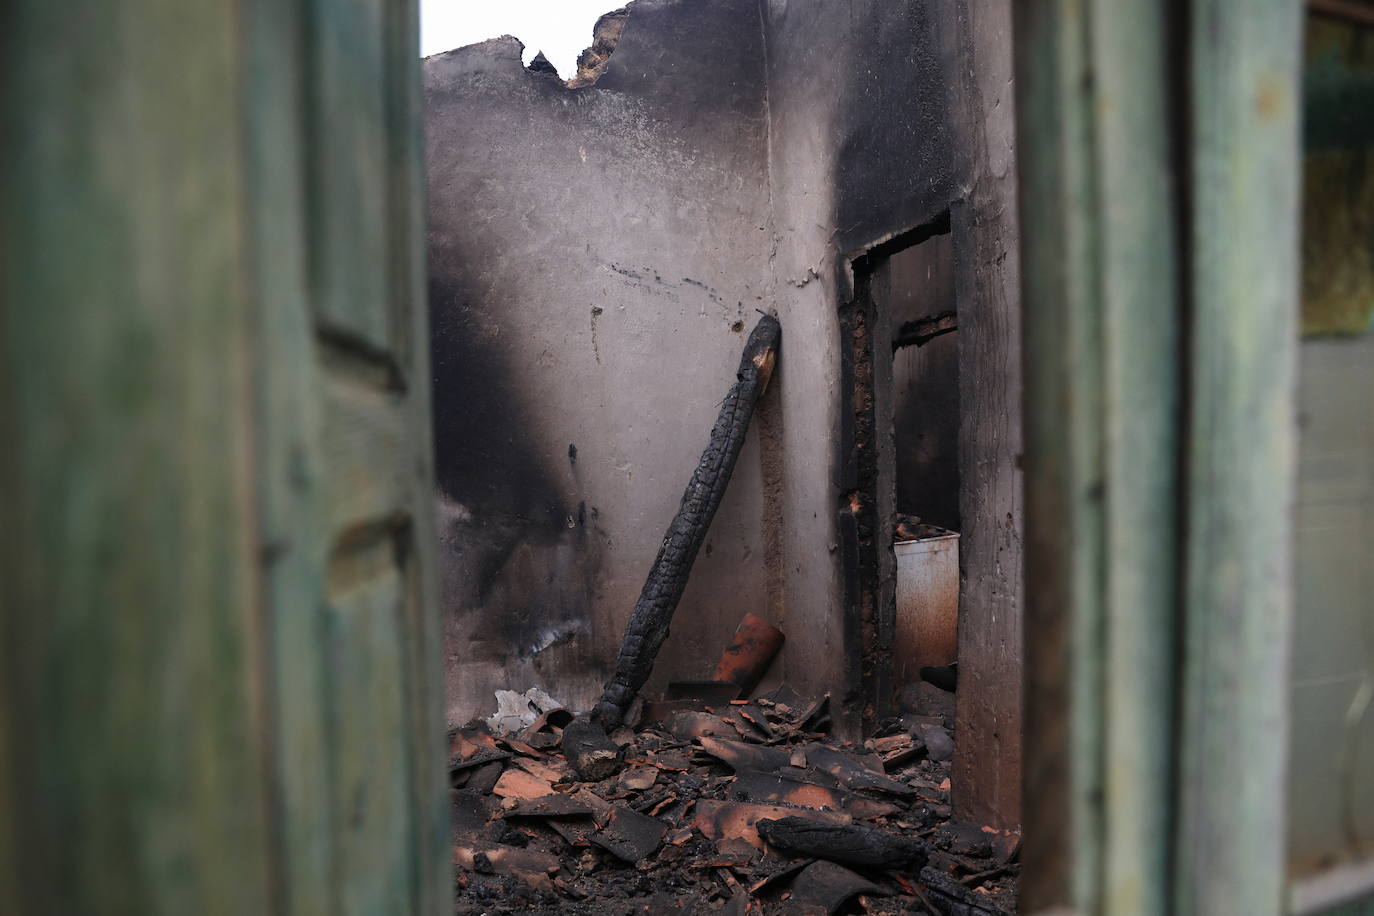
(906, 116)
(597, 255)
(859, 152)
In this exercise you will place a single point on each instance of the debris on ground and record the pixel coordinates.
(517, 711)
(732, 805)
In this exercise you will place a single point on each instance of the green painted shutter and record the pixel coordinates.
(1157, 149)
(219, 651)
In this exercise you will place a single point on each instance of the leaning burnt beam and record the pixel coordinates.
(648, 625)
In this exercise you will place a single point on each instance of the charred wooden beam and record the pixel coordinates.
(849, 844)
(648, 625)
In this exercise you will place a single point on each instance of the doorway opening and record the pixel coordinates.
(899, 438)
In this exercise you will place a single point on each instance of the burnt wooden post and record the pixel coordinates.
(1158, 161)
(653, 612)
(986, 781)
(219, 685)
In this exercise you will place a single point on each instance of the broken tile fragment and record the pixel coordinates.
(516, 783)
(740, 756)
(826, 887)
(554, 805)
(691, 724)
(852, 771)
(530, 866)
(718, 820)
(638, 779)
(753, 786)
(551, 769)
(629, 835)
(485, 777)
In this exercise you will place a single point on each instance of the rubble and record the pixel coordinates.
(592, 754)
(518, 711)
(734, 806)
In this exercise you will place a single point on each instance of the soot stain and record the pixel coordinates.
(524, 563)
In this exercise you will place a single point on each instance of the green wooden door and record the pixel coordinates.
(219, 671)
(1158, 159)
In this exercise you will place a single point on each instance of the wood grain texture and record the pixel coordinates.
(1245, 169)
(131, 649)
(1064, 524)
(987, 763)
(221, 688)
(1140, 298)
(1103, 288)
(1133, 241)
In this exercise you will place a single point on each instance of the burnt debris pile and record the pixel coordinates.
(718, 804)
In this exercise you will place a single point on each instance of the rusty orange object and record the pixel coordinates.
(755, 644)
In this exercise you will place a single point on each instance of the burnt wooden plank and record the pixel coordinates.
(848, 844)
(987, 763)
(648, 625)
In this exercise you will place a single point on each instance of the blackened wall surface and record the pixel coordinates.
(597, 255)
(859, 152)
(907, 112)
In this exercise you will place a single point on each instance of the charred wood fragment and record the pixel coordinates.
(922, 331)
(849, 844)
(593, 755)
(952, 897)
(648, 625)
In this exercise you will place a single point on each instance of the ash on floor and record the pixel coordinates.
(743, 807)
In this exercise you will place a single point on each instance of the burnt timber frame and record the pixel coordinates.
(865, 505)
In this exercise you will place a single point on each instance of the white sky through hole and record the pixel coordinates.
(559, 28)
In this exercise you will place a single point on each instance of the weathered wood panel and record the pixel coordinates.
(1102, 313)
(1143, 216)
(1138, 264)
(987, 763)
(344, 433)
(1244, 173)
(136, 729)
(220, 648)
(347, 148)
(1064, 526)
